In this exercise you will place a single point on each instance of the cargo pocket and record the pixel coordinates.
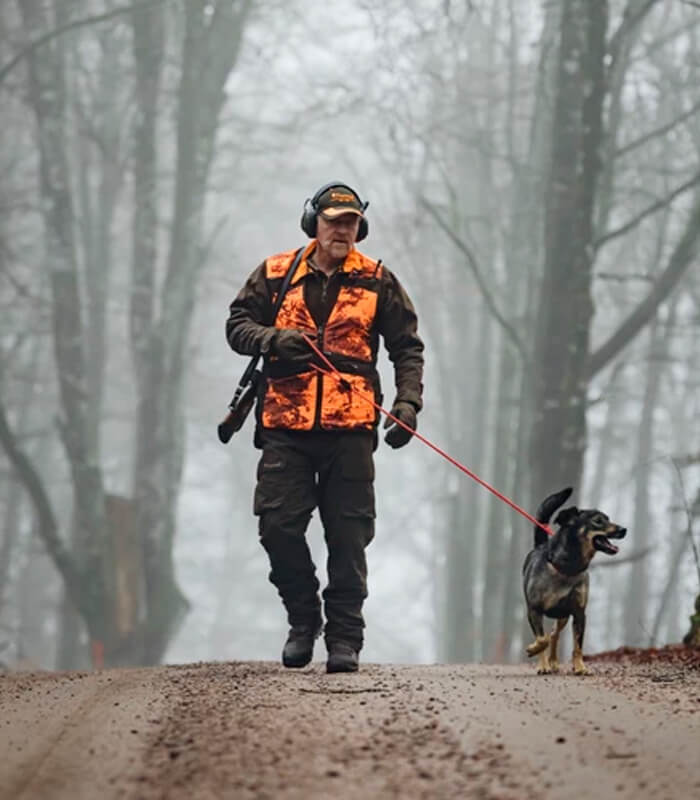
(358, 483)
(269, 488)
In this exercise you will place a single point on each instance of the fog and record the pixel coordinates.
(533, 174)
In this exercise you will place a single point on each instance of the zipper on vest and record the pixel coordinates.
(319, 380)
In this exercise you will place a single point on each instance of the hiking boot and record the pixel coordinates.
(342, 658)
(299, 647)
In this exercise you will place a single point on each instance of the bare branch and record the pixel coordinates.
(689, 517)
(646, 212)
(48, 527)
(687, 460)
(678, 263)
(509, 330)
(630, 19)
(611, 276)
(669, 126)
(70, 26)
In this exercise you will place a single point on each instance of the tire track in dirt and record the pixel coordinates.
(74, 735)
(494, 733)
(258, 731)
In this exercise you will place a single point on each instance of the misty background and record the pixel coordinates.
(533, 173)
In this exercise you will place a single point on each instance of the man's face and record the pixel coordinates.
(337, 236)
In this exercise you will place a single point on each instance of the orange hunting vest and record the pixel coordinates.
(307, 399)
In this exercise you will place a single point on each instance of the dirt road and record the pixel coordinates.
(255, 730)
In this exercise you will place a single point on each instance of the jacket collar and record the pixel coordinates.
(352, 263)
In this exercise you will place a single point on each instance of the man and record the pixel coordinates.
(317, 433)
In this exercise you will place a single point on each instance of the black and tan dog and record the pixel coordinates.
(555, 575)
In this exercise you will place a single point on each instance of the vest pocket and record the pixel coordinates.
(343, 407)
(290, 402)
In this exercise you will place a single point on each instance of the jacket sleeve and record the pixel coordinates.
(398, 325)
(247, 328)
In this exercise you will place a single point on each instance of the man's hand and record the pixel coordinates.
(289, 344)
(397, 436)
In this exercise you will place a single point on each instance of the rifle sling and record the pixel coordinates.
(252, 364)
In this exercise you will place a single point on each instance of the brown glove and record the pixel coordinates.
(397, 436)
(289, 344)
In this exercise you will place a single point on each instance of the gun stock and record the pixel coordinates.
(239, 409)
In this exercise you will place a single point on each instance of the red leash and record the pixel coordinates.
(332, 372)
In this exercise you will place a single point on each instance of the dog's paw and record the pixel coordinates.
(580, 669)
(554, 667)
(544, 670)
(541, 643)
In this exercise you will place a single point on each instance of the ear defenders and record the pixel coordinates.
(309, 216)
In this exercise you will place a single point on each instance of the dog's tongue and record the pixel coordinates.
(604, 544)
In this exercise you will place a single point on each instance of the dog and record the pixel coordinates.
(555, 575)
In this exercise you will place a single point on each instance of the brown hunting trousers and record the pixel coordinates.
(334, 471)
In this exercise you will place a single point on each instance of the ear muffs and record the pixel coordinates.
(363, 230)
(309, 215)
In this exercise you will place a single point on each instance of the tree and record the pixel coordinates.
(160, 319)
(211, 43)
(565, 308)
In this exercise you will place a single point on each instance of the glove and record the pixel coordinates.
(289, 345)
(397, 436)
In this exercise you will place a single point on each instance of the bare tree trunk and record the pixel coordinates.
(471, 391)
(48, 99)
(671, 582)
(96, 212)
(523, 259)
(636, 601)
(692, 637)
(616, 83)
(210, 49)
(14, 499)
(565, 306)
(496, 574)
(100, 156)
(445, 313)
(677, 546)
(493, 517)
(461, 558)
(458, 642)
(70, 650)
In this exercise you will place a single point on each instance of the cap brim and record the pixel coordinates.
(338, 211)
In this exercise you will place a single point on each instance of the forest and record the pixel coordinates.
(533, 174)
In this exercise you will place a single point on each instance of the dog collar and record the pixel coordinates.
(561, 572)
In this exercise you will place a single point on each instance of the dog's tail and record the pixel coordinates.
(546, 509)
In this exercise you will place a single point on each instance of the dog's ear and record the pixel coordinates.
(565, 516)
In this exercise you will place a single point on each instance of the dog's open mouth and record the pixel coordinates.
(604, 544)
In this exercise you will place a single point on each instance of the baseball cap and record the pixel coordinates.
(337, 200)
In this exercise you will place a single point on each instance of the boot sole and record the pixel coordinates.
(342, 668)
(296, 664)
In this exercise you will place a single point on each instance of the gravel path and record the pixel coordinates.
(255, 730)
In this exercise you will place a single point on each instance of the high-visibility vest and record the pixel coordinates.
(302, 398)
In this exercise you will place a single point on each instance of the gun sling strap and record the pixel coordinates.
(250, 369)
